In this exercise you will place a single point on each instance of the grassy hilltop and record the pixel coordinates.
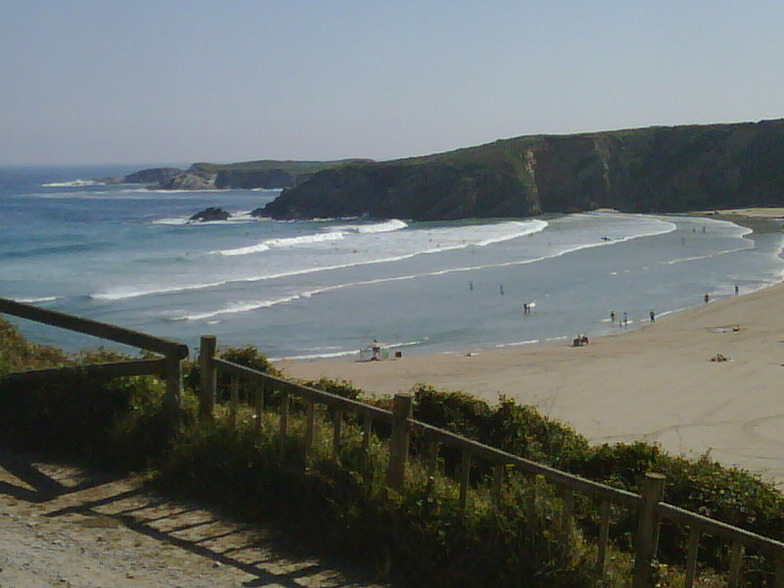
(266, 174)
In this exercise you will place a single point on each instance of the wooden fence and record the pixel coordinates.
(168, 366)
(648, 505)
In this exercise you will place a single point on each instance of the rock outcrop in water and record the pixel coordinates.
(213, 213)
(657, 169)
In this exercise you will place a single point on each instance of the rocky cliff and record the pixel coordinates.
(151, 176)
(657, 169)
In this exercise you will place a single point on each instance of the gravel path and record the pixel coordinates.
(62, 526)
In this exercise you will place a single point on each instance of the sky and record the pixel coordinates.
(105, 81)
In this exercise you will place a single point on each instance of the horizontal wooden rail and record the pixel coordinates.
(492, 454)
(498, 456)
(649, 502)
(94, 328)
(716, 528)
(169, 366)
(137, 367)
(306, 392)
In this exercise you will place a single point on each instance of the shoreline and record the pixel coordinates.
(655, 383)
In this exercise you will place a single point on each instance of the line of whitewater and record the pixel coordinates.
(535, 226)
(249, 306)
(343, 352)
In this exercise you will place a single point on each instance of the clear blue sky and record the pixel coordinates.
(94, 81)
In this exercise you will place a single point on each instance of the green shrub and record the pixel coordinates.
(342, 388)
(71, 417)
(523, 431)
(418, 535)
(703, 486)
(16, 354)
(248, 356)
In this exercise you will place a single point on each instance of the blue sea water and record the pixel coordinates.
(125, 254)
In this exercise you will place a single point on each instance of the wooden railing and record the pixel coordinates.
(168, 366)
(648, 505)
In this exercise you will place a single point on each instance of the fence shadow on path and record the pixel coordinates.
(73, 495)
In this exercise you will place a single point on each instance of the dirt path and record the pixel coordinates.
(61, 526)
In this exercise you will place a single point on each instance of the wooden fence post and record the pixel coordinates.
(691, 557)
(465, 480)
(208, 377)
(432, 456)
(284, 424)
(259, 390)
(367, 430)
(173, 389)
(531, 518)
(604, 537)
(498, 483)
(310, 429)
(337, 428)
(234, 396)
(567, 513)
(398, 443)
(779, 579)
(646, 542)
(736, 559)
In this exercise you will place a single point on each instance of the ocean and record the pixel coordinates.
(127, 255)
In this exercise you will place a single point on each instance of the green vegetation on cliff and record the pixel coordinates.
(266, 174)
(657, 169)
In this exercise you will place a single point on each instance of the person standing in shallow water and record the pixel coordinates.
(653, 317)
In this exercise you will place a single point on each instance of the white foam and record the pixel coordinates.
(504, 231)
(332, 355)
(241, 217)
(37, 300)
(342, 353)
(123, 293)
(518, 343)
(416, 243)
(73, 184)
(708, 256)
(283, 242)
(387, 227)
(384, 227)
(174, 221)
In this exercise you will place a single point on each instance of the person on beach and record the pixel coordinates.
(375, 350)
(706, 298)
(612, 316)
(625, 320)
(653, 317)
(737, 290)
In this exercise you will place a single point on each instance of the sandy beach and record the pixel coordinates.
(657, 383)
